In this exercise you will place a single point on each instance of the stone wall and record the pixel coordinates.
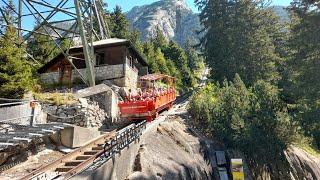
(131, 78)
(114, 73)
(20, 113)
(102, 72)
(50, 78)
(86, 113)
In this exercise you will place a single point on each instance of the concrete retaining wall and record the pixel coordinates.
(117, 168)
(19, 113)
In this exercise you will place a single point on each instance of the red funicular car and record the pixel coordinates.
(156, 93)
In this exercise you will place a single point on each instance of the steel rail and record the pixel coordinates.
(69, 157)
(86, 156)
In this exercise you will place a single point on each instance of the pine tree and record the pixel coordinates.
(134, 38)
(8, 17)
(175, 53)
(252, 120)
(159, 41)
(149, 52)
(195, 60)
(305, 65)
(118, 24)
(42, 47)
(240, 38)
(161, 62)
(15, 74)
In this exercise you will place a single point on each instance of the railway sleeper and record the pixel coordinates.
(65, 168)
(97, 148)
(73, 162)
(83, 157)
(93, 152)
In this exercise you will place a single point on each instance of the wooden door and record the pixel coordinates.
(65, 74)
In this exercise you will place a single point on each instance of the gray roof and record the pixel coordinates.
(90, 91)
(105, 42)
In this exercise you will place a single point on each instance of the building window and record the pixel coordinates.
(100, 59)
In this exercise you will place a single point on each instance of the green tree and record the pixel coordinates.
(240, 38)
(15, 74)
(252, 120)
(149, 52)
(8, 16)
(42, 47)
(161, 61)
(195, 60)
(305, 65)
(175, 53)
(159, 41)
(134, 38)
(117, 23)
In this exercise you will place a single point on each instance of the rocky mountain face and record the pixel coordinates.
(173, 17)
(282, 13)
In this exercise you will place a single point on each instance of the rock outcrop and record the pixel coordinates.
(303, 165)
(170, 152)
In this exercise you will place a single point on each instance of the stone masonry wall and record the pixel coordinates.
(101, 72)
(114, 72)
(86, 113)
(131, 78)
(50, 78)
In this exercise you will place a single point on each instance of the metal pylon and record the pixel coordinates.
(61, 19)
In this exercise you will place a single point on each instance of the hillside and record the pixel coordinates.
(175, 19)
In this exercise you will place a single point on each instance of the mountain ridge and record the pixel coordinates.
(170, 16)
(175, 19)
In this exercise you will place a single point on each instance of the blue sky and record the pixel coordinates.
(128, 4)
(28, 22)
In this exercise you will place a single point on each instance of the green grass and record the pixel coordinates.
(310, 149)
(55, 98)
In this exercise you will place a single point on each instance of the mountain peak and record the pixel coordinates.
(173, 17)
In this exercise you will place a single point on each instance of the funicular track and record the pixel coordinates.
(94, 153)
(80, 159)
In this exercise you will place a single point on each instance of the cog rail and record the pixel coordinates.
(82, 158)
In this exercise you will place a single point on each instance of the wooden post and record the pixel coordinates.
(33, 116)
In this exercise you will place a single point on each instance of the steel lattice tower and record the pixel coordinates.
(85, 20)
